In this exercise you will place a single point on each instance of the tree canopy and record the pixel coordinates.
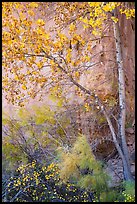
(38, 57)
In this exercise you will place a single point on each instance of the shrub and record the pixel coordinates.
(33, 182)
(79, 164)
(36, 183)
(31, 134)
(128, 192)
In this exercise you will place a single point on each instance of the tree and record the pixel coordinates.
(35, 59)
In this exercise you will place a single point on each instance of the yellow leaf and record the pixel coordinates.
(39, 65)
(31, 13)
(72, 27)
(114, 19)
(34, 72)
(28, 72)
(77, 74)
(87, 58)
(68, 58)
(109, 6)
(24, 87)
(39, 31)
(16, 78)
(43, 79)
(33, 5)
(85, 26)
(40, 22)
(96, 32)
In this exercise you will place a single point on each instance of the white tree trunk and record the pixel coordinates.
(122, 113)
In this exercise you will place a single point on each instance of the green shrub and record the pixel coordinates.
(128, 192)
(80, 164)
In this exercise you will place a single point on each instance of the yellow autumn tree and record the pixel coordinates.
(36, 57)
(34, 60)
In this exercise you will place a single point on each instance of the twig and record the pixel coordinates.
(21, 190)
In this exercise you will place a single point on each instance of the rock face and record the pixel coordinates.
(127, 28)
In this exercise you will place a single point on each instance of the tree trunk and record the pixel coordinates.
(122, 114)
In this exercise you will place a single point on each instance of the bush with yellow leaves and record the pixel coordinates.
(36, 183)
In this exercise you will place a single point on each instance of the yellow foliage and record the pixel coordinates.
(72, 27)
(43, 114)
(31, 13)
(79, 158)
(68, 57)
(24, 87)
(62, 37)
(109, 6)
(94, 4)
(40, 22)
(114, 19)
(23, 115)
(33, 5)
(26, 41)
(87, 107)
(128, 12)
(16, 77)
(70, 167)
(77, 74)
